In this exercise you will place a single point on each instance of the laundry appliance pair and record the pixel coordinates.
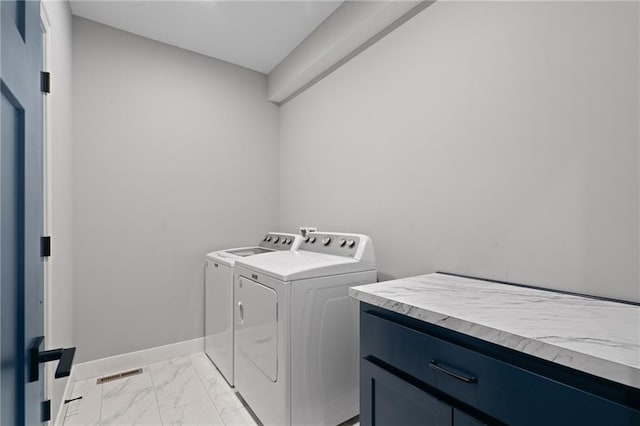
(295, 329)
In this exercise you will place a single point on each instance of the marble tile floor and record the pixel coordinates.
(187, 390)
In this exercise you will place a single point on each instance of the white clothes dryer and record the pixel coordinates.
(296, 329)
(218, 290)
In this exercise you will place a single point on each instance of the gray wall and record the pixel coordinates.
(492, 139)
(61, 278)
(175, 154)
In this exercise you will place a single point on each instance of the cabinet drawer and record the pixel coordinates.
(503, 391)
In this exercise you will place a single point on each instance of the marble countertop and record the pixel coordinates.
(595, 336)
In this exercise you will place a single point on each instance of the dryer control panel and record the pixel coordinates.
(357, 246)
(281, 241)
(331, 243)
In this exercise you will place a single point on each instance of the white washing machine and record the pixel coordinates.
(296, 329)
(218, 326)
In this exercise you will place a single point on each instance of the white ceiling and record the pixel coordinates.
(253, 34)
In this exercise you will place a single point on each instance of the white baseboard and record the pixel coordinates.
(128, 361)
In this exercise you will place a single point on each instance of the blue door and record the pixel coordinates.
(21, 205)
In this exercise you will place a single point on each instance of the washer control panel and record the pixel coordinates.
(278, 241)
(331, 243)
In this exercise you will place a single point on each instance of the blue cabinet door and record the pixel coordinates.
(387, 400)
(463, 419)
(21, 209)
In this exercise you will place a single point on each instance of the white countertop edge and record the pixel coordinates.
(593, 365)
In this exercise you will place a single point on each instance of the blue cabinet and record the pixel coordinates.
(460, 418)
(414, 372)
(392, 401)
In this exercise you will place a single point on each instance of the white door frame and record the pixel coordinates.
(47, 201)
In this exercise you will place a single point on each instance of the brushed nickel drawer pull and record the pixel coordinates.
(434, 364)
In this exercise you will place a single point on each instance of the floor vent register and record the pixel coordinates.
(123, 375)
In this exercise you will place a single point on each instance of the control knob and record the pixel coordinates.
(306, 240)
(276, 239)
(351, 243)
(268, 238)
(342, 242)
(326, 241)
(312, 240)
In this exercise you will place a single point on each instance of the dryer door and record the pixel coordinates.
(257, 325)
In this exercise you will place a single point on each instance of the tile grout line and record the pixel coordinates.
(101, 397)
(243, 408)
(71, 396)
(206, 389)
(64, 407)
(123, 392)
(75, 403)
(155, 395)
(66, 396)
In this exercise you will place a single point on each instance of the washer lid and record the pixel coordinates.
(249, 251)
(300, 265)
(229, 256)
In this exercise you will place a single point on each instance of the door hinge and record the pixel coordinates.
(45, 246)
(46, 411)
(45, 82)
